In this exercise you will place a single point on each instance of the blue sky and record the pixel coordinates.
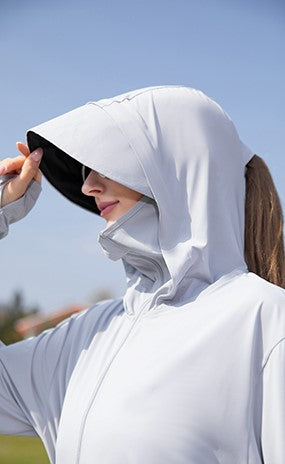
(58, 55)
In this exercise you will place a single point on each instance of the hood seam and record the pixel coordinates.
(149, 89)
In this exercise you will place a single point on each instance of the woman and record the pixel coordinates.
(187, 367)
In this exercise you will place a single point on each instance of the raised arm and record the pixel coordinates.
(20, 186)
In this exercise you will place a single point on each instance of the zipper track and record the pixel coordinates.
(83, 423)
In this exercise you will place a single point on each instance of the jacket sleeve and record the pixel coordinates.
(273, 410)
(12, 417)
(34, 375)
(13, 212)
(29, 390)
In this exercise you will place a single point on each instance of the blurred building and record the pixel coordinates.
(32, 325)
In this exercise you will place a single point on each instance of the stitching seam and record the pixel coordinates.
(271, 351)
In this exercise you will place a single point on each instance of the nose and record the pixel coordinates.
(93, 184)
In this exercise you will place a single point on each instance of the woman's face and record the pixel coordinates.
(113, 199)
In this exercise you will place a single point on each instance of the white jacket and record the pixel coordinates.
(189, 366)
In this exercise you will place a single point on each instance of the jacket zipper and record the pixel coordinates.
(77, 460)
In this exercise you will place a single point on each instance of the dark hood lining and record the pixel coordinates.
(62, 171)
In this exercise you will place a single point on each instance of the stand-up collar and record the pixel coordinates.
(134, 239)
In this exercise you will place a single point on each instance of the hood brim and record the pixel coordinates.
(62, 171)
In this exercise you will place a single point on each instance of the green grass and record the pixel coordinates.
(22, 450)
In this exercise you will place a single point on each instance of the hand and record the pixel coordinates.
(27, 168)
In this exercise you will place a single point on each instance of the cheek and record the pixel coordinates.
(127, 204)
(132, 201)
(124, 205)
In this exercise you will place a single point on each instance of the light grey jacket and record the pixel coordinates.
(189, 366)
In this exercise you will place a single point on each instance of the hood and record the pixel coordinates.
(174, 145)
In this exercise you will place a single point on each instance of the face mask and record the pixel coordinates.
(134, 238)
(136, 230)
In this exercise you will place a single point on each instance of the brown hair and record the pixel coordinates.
(264, 245)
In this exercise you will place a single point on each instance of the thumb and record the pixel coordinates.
(30, 167)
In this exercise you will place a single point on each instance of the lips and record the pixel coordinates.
(106, 207)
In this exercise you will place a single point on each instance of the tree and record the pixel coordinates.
(10, 313)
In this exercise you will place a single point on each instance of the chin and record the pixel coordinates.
(113, 219)
(110, 222)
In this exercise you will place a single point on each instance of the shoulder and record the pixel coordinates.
(260, 306)
(251, 291)
(268, 297)
(267, 303)
(263, 291)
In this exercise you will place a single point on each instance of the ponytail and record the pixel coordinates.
(264, 245)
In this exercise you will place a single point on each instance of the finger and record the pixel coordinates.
(30, 168)
(11, 164)
(18, 186)
(23, 148)
(38, 176)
